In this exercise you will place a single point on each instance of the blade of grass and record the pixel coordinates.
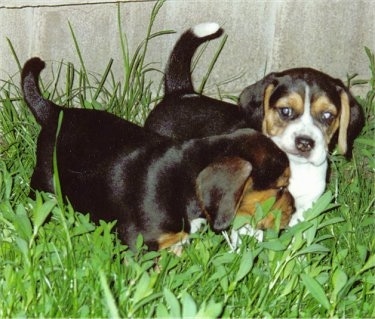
(212, 63)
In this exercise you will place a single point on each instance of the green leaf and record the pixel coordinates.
(245, 266)
(362, 253)
(316, 290)
(290, 286)
(139, 242)
(365, 141)
(189, 308)
(275, 245)
(369, 264)
(339, 280)
(331, 221)
(210, 310)
(22, 223)
(108, 297)
(162, 311)
(341, 255)
(320, 206)
(225, 258)
(314, 248)
(310, 233)
(144, 288)
(22, 245)
(41, 212)
(240, 221)
(173, 303)
(267, 204)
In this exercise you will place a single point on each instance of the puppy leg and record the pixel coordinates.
(173, 241)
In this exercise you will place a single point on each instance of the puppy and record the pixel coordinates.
(302, 110)
(305, 112)
(182, 113)
(152, 185)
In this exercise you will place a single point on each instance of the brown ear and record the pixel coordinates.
(251, 101)
(351, 122)
(266, 105)
(344, 123)
(220, 187)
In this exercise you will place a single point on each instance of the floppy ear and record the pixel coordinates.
(351, 122)
(251, 101)
(220, 187)
(266, 106)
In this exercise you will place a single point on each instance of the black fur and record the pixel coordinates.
(184, 114)
(150, 184)
(251, 98)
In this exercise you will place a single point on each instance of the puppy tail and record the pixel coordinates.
(177, 75)
(40, 107)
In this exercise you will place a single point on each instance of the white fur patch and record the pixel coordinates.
(307, 184)
(234, 239)
(308, 174)
(197, 224)
(205, 29)
(303, 126)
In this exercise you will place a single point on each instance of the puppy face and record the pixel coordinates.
(302, 110)
(301, 119)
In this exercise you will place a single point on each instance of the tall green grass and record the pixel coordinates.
(55, 263)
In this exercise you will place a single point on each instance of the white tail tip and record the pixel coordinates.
(205, 29)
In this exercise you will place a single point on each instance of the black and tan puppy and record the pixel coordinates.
(184, 114)
(152, 184)
(302, 110)
(305, 112)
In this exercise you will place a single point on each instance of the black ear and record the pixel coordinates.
(220, 187)
(251, 101)
(352, 121)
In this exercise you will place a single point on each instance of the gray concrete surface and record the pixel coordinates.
(263, 36)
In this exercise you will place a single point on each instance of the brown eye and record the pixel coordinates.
(286, 113)
(327, 118)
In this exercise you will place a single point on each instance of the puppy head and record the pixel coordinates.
(220, 188)
(226, 188)
(284, 202)
(304, 111)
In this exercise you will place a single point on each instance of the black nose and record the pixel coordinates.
(304, 143)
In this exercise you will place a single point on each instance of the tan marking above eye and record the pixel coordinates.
(273, 123)
(292, 100)
(321, 105)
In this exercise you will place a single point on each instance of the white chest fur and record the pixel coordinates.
(307, 184)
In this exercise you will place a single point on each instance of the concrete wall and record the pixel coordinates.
(263, 36)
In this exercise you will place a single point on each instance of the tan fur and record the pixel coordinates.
(284, 202)
(273, 125)
(344, 123)
(268, 119)
(168, 240)
(323, 104)
(294, 100)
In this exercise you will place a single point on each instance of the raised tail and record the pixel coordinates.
(40, 107)
(177, 75)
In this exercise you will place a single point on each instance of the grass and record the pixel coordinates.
(55, 263)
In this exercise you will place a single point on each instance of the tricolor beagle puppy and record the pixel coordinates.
(302, 110)
(182, 113)
(151, 184)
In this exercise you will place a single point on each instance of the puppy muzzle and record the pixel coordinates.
(304, 145)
